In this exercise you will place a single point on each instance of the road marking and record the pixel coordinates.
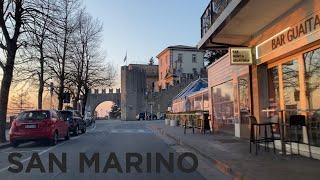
(130, 131)
(42, 152)
(93, 127)
(23, 151)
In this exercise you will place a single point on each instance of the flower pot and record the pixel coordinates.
(167, 121)
(174, 123)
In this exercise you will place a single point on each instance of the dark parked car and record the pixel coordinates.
(141, 116)
(33, 125)
(75, 121)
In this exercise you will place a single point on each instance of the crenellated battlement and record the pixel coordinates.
(104, 91)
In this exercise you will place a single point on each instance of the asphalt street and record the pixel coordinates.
(103, 138)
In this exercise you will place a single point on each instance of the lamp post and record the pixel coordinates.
(51, 93)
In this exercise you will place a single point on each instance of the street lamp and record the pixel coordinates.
(51, 93)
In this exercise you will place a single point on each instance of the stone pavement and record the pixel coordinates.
(231, 156)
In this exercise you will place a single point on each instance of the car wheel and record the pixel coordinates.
(84, 130)
(68, 135)
(54, 141)
(15, 144)
(76, 131)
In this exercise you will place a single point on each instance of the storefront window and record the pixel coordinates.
(198, 102)
(223, 106)
(206, 100)
(312, 93)
(291, 86)
(291, 94)
(244, 99)
(273, 88)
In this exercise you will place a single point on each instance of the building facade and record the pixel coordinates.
(151, 75)
(285, 74)
(177, 62)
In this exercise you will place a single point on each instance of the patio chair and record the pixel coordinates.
(255, 132)
(298, 122)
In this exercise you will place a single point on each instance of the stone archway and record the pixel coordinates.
(96, 98)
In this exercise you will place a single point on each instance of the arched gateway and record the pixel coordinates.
(95, 98)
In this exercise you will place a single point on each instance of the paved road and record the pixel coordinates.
(105, 137)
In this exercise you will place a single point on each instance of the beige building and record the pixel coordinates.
(177, 62)
(284, 38)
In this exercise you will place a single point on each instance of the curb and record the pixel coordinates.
(221, 166)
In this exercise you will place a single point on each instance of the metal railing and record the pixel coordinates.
(212, 12)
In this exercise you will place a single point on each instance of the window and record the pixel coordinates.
(34, 115)
(180, 58)
(194, 70)
(194, 58)
(291, 87)
(223, 106)
(273, 88)
(312, 92)
(311, 76)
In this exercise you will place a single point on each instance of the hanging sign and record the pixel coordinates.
(240, 56)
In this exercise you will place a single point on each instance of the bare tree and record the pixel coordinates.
(60, 43)
(32, 67)
(85, 39)
(20, 101)
(15, 18)
(97, 73)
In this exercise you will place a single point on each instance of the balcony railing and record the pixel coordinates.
(212, 12)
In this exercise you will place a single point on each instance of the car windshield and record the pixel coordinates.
(66, 114)
(34, 115)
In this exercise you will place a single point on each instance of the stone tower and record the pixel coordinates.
(133, 90)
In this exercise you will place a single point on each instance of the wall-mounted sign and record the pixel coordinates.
(240, 56)
(306, 30)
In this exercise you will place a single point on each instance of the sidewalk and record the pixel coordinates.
(7, 144)
(231, 156)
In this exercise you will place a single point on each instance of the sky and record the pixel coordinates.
(143, 28)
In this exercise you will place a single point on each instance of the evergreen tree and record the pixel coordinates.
(115, 111)
(151, 61)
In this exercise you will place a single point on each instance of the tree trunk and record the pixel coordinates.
(85, 96)
(41, 83)
(60, 94)
(4, 94)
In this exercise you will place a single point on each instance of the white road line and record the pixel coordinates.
(24, 151)
(42, 152)
(93, 127)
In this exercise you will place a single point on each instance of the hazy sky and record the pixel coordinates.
(144, 28)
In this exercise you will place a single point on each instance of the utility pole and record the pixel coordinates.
(51, 94)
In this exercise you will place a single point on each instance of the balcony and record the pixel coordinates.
(212, 12)
(226, 23)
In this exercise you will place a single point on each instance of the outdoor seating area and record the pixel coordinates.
(288, 126)
(192, 120)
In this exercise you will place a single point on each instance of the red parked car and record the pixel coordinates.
(48, 125)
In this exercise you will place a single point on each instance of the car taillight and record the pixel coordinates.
(13, 124)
